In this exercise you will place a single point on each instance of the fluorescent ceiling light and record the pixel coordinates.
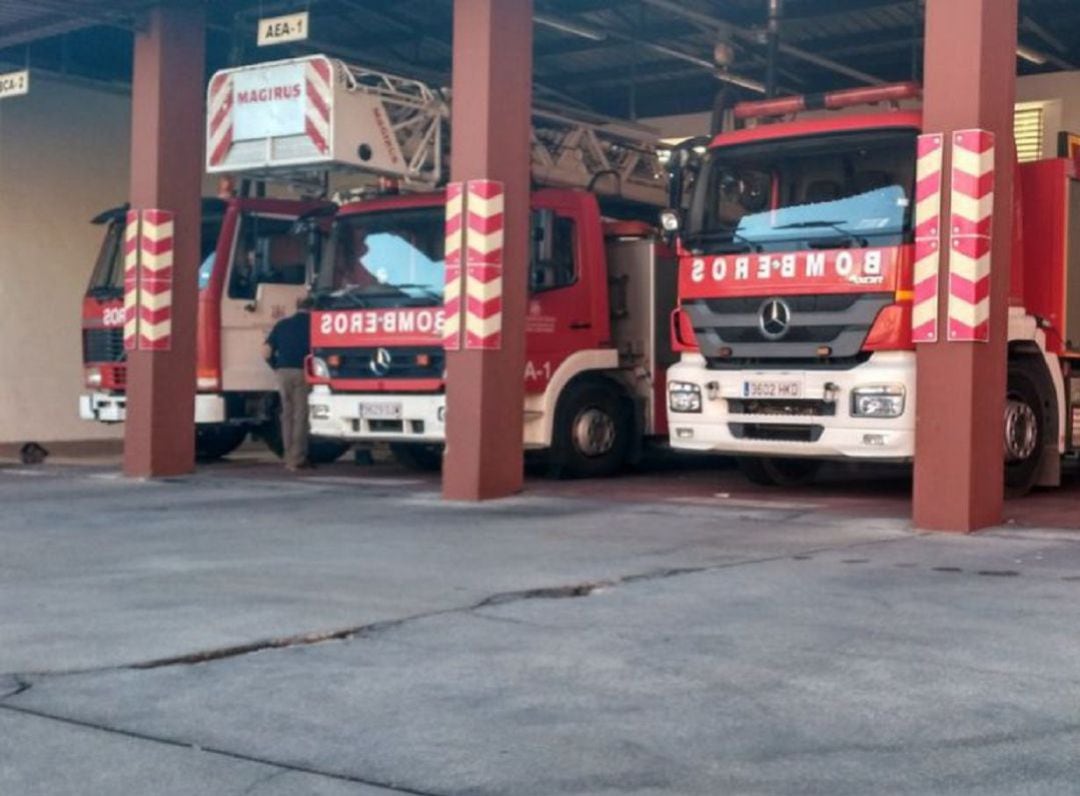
(1031, 54)
(569, 27)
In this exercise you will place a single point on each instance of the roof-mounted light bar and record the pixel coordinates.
(833, 100)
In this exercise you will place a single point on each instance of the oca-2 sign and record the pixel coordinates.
(14, 84)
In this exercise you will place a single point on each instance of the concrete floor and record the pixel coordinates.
(345, 632)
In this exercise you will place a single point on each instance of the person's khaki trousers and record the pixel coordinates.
(293, 388)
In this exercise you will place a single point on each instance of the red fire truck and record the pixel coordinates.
(796, 287)
(601, 282)
(253, 267)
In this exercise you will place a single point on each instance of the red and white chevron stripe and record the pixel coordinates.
(156, 255)
(484, 207)
(924, 311)
(319, 89)
(972, 198)
(219, 112)
(455, 240)
(131, 281)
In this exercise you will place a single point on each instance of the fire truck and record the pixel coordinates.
(601, 281)
(254, 265)
(794, 323)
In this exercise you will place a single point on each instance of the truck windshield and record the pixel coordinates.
(831, 191)
(108, 278)
(384, 259)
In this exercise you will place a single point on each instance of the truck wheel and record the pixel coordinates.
(770, 471)
(419, 456)
(591, 437)
(1025, 427)
(321, 450)
(212, 441)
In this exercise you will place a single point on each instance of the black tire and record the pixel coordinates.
(771, 471)
(591, 437)
(1024, 426)
(321, 450)
(420, 456)
(214, 440)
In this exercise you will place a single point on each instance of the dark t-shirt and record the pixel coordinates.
(290, 341)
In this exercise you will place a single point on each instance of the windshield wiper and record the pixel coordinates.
(846, 235)
(725, 236)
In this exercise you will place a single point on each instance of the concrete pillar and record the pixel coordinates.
(970, 82)
(492, 88)
(166, 174)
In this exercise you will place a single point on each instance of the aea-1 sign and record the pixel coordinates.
(14, 84)
(278, 30)
(268, 103)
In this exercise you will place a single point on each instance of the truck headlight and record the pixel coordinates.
(319, 368)
(320, 412)
(684, 397)
(885, 401)
(93, 377)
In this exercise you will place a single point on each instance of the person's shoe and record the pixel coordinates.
(305, 465)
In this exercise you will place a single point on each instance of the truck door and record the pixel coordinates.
(266, 276)
(564, 313)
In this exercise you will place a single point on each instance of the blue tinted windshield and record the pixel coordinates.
(786, 194)
(386, 258)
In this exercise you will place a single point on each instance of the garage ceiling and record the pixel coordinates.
(632, 58)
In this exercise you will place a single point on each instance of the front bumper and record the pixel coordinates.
(838, 435)
(422, 418)
(106, 407)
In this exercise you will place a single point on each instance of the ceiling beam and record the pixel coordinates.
(725, 28)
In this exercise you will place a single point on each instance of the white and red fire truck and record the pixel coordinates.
(254, 265)
(797, 259)
(601, 282)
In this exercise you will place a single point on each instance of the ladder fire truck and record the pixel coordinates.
(253, 268)
(602, 284)
(797, 284)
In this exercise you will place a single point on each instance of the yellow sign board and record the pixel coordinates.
(279, 30)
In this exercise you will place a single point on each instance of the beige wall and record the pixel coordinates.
(63, 159)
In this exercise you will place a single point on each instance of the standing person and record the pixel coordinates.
(285, 349)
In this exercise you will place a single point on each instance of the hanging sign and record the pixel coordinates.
(278, 30)
(14, 84)
(269, 102)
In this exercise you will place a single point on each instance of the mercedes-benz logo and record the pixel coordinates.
(774, 318)
(381, 361)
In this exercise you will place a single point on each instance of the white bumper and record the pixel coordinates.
(107, 407)
(837, 435)
(104, 407)
(377, 418)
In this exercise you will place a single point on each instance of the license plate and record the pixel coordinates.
(381, 410)
(772, 389)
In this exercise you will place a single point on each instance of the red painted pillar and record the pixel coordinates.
(166, 174)
(970, 83)
(492, 97)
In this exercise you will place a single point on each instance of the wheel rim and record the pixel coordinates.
(1021, 431)
(594, 432)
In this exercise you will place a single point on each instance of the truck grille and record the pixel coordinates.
(729, 330)
(776, 432)
(356, 363)
(103, 345)
(781, 408)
